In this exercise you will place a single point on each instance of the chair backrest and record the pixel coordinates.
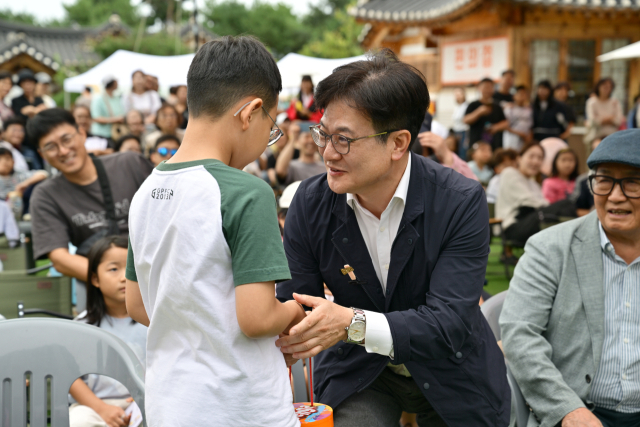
(492, 210)
(491, 309)
(60, 351)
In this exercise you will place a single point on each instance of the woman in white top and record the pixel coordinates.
(98, 400)
(146, 101)
(521, 204)
(603, 111)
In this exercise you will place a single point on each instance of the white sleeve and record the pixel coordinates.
(377, 337)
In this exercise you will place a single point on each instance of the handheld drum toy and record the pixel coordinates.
(310, 413)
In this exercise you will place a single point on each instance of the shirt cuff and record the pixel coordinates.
(377, 337)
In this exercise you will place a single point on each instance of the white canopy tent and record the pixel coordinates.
(293, 66)
(170, 70)
(627, 52)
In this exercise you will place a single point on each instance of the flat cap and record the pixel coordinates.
(619, 147)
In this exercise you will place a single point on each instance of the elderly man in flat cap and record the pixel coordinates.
(571, 320)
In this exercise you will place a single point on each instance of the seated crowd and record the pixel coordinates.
(570, 324)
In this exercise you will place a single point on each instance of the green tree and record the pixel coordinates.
(321, 17)
(341, 42)
(91, 13)
(275, 25)
(153, 44)
(21, 17)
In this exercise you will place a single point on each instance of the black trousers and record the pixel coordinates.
(529, 219)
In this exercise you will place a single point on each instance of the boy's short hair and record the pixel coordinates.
(122, 139)
(509, 71)
(165, 138)
(228, 69)
(5, 152)
(521, 87)
(502, 154)
(15, 120)
(44, 122)
(6, 75)
(390, 93)
(486, 80)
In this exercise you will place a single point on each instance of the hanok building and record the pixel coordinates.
(47, 49)
(458, 42)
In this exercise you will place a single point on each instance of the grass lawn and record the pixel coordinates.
(497, 281)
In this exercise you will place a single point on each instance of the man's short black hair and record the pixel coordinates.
(5, 152)
(486, 80)
(521, 87)
(509, 71)
(15, 120)
(228, 69)
(5, 75)
(391, 93)
(165, 138)
(44, 122)
(562, 85)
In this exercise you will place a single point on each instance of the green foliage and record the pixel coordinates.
(92, 13)
(340, 42)
(152, 44)
(321, 19)
(275, 25)
(19, 17)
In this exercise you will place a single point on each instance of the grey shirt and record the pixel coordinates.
(64, 212)
(299, 171)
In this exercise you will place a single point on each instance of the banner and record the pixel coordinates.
(471, 60)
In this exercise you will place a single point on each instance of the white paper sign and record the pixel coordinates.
(136, 415)
(470, 61)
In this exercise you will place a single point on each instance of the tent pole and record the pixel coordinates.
(67, 100)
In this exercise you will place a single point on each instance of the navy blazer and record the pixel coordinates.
(436, 275)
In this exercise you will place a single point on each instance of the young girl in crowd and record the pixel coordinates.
(480, 157)
(562, 181)
(99, 400)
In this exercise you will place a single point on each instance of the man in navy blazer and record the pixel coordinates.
(402, 243)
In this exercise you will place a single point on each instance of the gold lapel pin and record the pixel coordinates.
(348, 270)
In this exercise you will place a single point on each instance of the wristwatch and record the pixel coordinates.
(356, 330)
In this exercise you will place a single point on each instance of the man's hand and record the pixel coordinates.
(320, 330)
(438, 145)
(484, 110)
(113, 416)
(581, 417)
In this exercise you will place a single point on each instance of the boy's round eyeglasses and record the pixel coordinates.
(341, 143)
(275, 134)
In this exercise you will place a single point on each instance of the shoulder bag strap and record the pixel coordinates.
(107, 196)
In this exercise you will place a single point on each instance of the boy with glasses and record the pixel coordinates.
(201, 274)
(70, 207)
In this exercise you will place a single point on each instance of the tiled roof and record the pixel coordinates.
(68, 46)
(425, 10)
(18, 47)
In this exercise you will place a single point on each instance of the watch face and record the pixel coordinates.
(356, 331)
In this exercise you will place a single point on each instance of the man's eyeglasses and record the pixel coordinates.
(602, 185)
(341, 143)
(164, 151)
(275, 134)
(66, 141)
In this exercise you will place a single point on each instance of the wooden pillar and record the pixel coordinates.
(597, 68)
(563, 60)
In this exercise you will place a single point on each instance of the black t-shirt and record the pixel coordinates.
(502, 98)
(64, 212)
(271, 158)
(17, 104)
(477, 130)
(551, 121)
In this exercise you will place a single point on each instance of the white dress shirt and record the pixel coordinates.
(379, 235)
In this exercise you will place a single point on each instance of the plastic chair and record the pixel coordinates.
(62, 351)
(491, 309)
(518, 403)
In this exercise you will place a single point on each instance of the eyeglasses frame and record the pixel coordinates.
(615, 181)
(271, 142)
(349, 140)
(59, 144)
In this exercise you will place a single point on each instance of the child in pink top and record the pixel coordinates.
(562, 181)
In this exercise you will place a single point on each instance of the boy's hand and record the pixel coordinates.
(113, 416)
(320, 330)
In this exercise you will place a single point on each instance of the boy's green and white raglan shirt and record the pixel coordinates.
(197, 230)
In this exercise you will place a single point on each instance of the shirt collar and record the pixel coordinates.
(605, 244)
(401, 190)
